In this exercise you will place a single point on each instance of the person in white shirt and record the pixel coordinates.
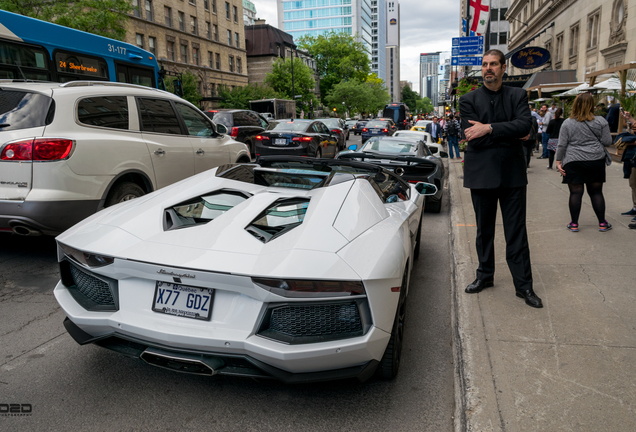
(545, 121)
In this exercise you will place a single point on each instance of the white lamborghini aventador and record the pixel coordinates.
(293, 268)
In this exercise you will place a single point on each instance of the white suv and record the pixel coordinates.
(69, 150)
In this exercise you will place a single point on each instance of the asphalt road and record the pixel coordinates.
(72, 387)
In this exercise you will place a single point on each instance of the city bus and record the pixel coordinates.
(31, 49)
(398, 112)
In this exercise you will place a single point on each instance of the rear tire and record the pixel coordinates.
(434, 206)
(390, 363)
(123, 192)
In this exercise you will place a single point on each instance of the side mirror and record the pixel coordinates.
(426, 188)
(443, 154)
(220, 128)
(352, 147)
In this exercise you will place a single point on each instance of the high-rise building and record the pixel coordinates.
(249, 12)
(429, 79)
(392, 79)
(497, 37)
(378, 39)
(317, 17)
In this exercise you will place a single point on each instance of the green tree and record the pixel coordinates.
(338, 56)
(359, 96)
(410, 98)
(190, 85)
(101, 17)
(240, 97)
(280, 79)
(424, 105)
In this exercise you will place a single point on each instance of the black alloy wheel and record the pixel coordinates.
(390, 363)
(433, 205)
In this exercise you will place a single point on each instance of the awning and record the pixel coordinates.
(573, 92)
(614, 84)
(539, 79)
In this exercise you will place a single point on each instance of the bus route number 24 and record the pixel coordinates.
(117, 49)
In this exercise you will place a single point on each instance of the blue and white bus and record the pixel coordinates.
(31, 49)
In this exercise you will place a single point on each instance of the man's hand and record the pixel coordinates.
(477, 130)
(526, 138)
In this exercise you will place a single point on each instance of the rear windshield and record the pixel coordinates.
(288, 126)
(331, 122)
(377, 124)
(23, 110)
(389, 146)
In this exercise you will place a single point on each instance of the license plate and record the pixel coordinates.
(280, 141)
(183, 301)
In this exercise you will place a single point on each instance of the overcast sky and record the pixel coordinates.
(426, 26)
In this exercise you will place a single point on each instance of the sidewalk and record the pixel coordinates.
(570, 366)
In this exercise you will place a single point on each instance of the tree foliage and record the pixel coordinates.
(101, 17)
(338, 56)
(280, 79)
(424, 105)
(190, 84)
(410, 98)
(359, 96)
(240, 97)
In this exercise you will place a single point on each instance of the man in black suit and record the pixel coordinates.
(435, 129)
(496, 120)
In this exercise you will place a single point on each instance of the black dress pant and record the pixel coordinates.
(513, 209)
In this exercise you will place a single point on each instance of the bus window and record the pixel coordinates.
(32, 61)
(72, 66)
(135, 75)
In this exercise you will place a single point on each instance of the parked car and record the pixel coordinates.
(69, 150)
(243, 125)
(378, 127)
(351, 123)
(338, 126)
(297, 137)
(407, 157)
(435, 148)
(357, 129)
(295, 269)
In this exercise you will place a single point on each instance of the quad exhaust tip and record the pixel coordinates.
(192, 364)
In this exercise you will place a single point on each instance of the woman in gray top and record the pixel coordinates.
(581, 159)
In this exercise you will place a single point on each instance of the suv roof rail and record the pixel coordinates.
(104, 83)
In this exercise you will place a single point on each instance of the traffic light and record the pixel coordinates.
(334, 110)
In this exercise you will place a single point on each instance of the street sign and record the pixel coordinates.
(467, 41)
(466, 61)
(469, 50)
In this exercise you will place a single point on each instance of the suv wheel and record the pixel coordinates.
(123, 192)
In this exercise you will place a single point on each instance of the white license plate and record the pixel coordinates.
(183, 301)
(280, 141)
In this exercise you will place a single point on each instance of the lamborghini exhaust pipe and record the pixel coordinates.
(179, 362)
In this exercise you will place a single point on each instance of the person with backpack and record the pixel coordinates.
(452, 130)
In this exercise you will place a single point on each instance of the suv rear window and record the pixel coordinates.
(23, 110)
(110, 112)
(224, 118)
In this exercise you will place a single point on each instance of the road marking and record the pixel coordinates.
(467, 225)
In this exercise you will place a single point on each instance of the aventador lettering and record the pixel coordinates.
(186, 275)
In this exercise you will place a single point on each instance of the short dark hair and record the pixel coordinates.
(496, 53)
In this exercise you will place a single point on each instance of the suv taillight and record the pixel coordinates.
(234, 132)
(39, 149)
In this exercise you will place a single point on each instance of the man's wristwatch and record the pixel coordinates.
(490, 126)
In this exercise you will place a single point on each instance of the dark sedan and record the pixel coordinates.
(408, 157)
(337, 126)
(297, 137)
(378, 128)
(357, 129)
(242, 125)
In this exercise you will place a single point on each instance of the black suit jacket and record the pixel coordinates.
(497, 159)
(438, 129)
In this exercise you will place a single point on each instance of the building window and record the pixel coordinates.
(235, 13)
(149, 10)
(215, 32)
(193, 24)
(212, 89)
(229, 37)
(238, 65)
(231, 60)
(139, 40)
(136, 9)
(494, 14)
(214, 6)
(237, 40)
(181, 21)
(195, 56)
(211, 59)
(170, 50)
(152, 45)
(503, 36)
(206, 4)
(192, 2)
(574, 40)
(217, 56)
(494, 37)
(208, 30)
(227, 10)
(559, 47)
(184, 53)
(167, 13)
(502, 13)
(593, 29)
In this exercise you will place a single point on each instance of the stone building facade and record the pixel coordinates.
(205, 37)
(583, 35)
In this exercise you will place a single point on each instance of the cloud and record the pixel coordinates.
(425, 26)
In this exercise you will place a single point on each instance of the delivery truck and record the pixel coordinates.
(278, 108)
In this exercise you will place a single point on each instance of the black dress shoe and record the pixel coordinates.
(479, 285)
(531, 298)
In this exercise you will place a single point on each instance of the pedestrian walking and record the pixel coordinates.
(496, 120)
(581, 159)
(629, 166)
(434, 129)
(553, 132)
(452, 131)
(545, 121)
(537, 117)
